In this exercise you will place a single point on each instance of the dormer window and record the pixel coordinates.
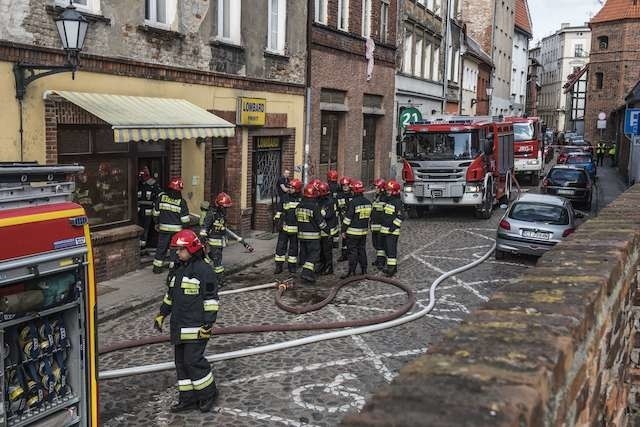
(603, 42)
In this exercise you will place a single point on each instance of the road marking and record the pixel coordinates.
(447, 318)
(457, 249)
(261, 417)
(515, 264)
(482, 236)
(337, 388)
(423, 247)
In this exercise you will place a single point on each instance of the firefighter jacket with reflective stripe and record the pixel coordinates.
(378, 211)
(342, 199)
(356, 218)
(335, 189)
(286, 213)
(215, 227)
(147, 193)
(392, 216)
(171, 212)
(328, 211)
(191, 299)
(600, 148)
(310, 221)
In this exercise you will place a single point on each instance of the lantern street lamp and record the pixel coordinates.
(72, 30)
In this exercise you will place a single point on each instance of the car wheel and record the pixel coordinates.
(500, 255)
(486, 209)
(535, 180)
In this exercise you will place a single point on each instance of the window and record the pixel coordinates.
(417, 68)
(229, 21)
(408, 52)
(428, 73)
(159, 13)
(277, 25)
(372, 101)
(578, 50)
(456, 66)
(366, 18)
(599, 80)
(343, 15)
(436, 64)
(332, 96)
(384, 21)
(91, 6)
(603, 42)
(321, 11)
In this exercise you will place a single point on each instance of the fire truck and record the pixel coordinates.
(528, 147)
(457, 161)
(48, 370)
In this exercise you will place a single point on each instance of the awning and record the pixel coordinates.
(137, 118)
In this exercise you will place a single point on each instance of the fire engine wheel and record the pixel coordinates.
(486, 209)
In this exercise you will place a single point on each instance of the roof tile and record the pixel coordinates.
(523, 17)
(614, 10)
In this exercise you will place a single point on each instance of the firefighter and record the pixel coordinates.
(83, 194)
(612, 154)
(355, 226)
(310, 224)
(390, 229)
(344, 196)
(171, 214)
(334, 188)
(376, 218)
(148, 191)
(600, 154)
(328, 210)
(214, 231)
(287, 246)
(192, 302)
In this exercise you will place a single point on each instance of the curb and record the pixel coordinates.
(114, 312)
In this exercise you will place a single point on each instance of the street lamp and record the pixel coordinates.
(489, 91)
(72, 30)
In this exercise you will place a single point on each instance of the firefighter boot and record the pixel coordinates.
(348, 274)
(390, 271)
(328, 270)
(184, 404)
(206, 405)
(278, 269)
(157, 270)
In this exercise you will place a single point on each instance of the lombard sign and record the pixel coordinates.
(251, 112)
(632, 121)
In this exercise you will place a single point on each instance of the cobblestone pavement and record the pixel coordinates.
(319, 383)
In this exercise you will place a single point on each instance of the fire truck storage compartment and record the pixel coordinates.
(43, 368)
(505, 153)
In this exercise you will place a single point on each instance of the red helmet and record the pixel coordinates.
(144, 174)
(186, 239)
(296, 184)
(323, 189)
(176, 184)
(332, 175)
(310, 191)
(315, 182)
(356, 186)
(380, 184)
(104, 168)
(345, 180)
(223, 200)
(393, 187)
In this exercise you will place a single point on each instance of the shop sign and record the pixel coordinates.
(268, 143)
(251, 112)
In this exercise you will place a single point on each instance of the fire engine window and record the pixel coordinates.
(524, 131)
(442, 146)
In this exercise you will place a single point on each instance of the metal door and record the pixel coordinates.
(328, 143)
(368, 149)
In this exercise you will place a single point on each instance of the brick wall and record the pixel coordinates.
(116, 251)
(558, 346)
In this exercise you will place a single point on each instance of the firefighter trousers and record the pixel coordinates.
(195, 379)
(287, 250)
(161, 259)
(215, 254)
(391, 249)
(357, 253)
(145, 223)
(326, 254)
(310, 249)
(377, 240)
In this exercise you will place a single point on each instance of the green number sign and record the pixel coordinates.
(408, 116)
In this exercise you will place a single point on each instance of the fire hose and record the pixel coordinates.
(349, 331)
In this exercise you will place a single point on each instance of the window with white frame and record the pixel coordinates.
(436, 64)
(321, 11)
(428, 73)
(229, 21)
(384, 21)
(90, 6)
(417, 68)
(159, 13)
(456, 66)
(277, 26)
(408, 52)
(366, 18)
(343, 15)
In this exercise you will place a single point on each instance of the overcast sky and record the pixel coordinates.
(547, 15)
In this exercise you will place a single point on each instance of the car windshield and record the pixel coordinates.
(579, 159)
(523, 132)
(442, 146)
(539, 212)
(568, 175)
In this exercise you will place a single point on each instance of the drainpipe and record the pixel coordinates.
(307, 123)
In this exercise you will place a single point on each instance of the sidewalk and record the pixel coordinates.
(609, 185)
(141, 287)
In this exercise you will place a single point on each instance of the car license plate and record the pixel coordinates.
(536, 234)
(567, 192)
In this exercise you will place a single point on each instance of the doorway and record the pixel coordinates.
(328, 143)
(267, 167)
(218, 172)
(368, 149)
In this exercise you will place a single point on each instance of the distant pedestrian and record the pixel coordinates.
(282, 185)
(612, 155)
(600, 154)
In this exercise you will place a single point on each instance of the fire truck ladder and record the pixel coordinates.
(456, 120)
(30, 184)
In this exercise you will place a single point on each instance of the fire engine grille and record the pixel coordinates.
(427, 174)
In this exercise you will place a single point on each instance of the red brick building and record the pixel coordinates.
(352, 106)
(614, 69)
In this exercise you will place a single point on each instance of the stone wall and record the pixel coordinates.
(558, 346)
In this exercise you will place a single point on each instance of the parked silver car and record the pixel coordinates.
(534, 224)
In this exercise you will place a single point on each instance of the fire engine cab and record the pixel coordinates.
(48, 373)
(528, 147)
(457, 161)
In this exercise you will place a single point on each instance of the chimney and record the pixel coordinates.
(565, 25)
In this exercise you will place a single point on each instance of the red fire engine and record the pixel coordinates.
(457, 161)
(528, 147)
(48, 372)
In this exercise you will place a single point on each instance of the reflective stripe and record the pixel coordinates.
(357, 231)
(308, 265)
(281, 258)
(397, 222)
(346, 221)
(292, 260)
(335, 230)
(219, 243)
(204, 382)
(219, 269)
(203, 232)
(392, 261)
(211, 305)
(169, 207)
(148, 212)
(308, 235)
(167, 300)
(387, 230)
(375, 227)
(185, 219)
(156, 213)
(290, 229)
(185, 385)
(290, 205)
(381, 253)
(158, 263)
(189, 333)
(190, 283)
(170, 227)
(389, 209)
(172, 282)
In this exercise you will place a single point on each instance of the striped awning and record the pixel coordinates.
(137, 118)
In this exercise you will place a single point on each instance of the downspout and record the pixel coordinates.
(307, 124)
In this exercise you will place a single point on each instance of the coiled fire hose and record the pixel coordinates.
(251, 351)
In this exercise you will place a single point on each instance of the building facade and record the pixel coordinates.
(218, 56)
(523, 32)
(476, 77)
(575, 90)
(533, 82)
(561, 53)
(353, 68)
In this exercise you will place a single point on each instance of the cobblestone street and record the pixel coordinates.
(319, 383)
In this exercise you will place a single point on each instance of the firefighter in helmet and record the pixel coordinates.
(344, 196)
(214, 231)
(328, 210)
(334, 188)
(355, 227)
(192, 302)
(148, 191)
(310, 224)
(390, 226)
(376, 218)
(287, 246)
(170, 214)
